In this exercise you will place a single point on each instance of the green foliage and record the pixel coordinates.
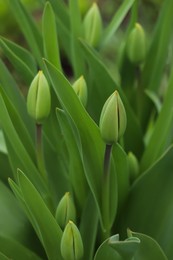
(125, 184)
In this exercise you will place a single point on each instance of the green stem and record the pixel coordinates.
(106, 190)
(39, 152)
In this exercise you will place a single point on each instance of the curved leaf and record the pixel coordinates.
(14, 250)
(47, 229)
(149, 208)
(21, 59)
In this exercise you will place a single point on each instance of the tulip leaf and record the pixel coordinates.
(22, 156)
(92, 144)
(12, 249)
(112, 248)
(117, 20)
(89, 227)
(19, 125)
(148, 249)
(21, 59)
(76, 171)
(11, 89)
(76, 32)
(162, 128)
(103, 80)
(28, 28)
(149, 207)
(50, 38)
(47, 229)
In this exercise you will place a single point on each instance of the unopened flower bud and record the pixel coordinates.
(136, 45)
(39, 99)
(133, 166)
(113, 119)
(65, 211)
(80, 88)
(93, 26)
(71, 243)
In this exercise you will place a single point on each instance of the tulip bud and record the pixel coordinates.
(113, 119)
(80, 88)
(93, 26)
(65, 210)
(136, 45)
(39, 99)
(133, 166)
(71, 243)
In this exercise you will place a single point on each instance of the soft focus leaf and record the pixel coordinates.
(148, 249)
(117, 20)
(14, 250)
(21, 59)
(29, 28)
(149, 208)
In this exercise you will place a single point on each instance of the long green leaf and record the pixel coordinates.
(12, 91)
(50, 38)
(76, 171)
(46, 227)
(92, 145)
(29, 29)
(21, 59)
(19, 126)
(76, 32)
(24, 159)
(14, 250)
(117, 20)
(89, 227)
(149, 208)
(161, 130)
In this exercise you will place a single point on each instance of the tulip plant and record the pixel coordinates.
(86, 131)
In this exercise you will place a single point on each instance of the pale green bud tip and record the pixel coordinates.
(71, 243)
(65, 210)
(39, 99)
(133, 166)
(136, 45)
(92, 25)
(113, 119)
(80, 88)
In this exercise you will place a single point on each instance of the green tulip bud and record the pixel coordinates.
(113, 119)
(65, 211)
(80, 88)
(71, 243)
(39, 99)
(93, 25)
(136, 45)
(133, 166)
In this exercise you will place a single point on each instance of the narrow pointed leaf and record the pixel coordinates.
(50, 37)
(47, 228)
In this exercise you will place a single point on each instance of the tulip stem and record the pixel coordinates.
(39, 151)
(106, 190)
(107, 157)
